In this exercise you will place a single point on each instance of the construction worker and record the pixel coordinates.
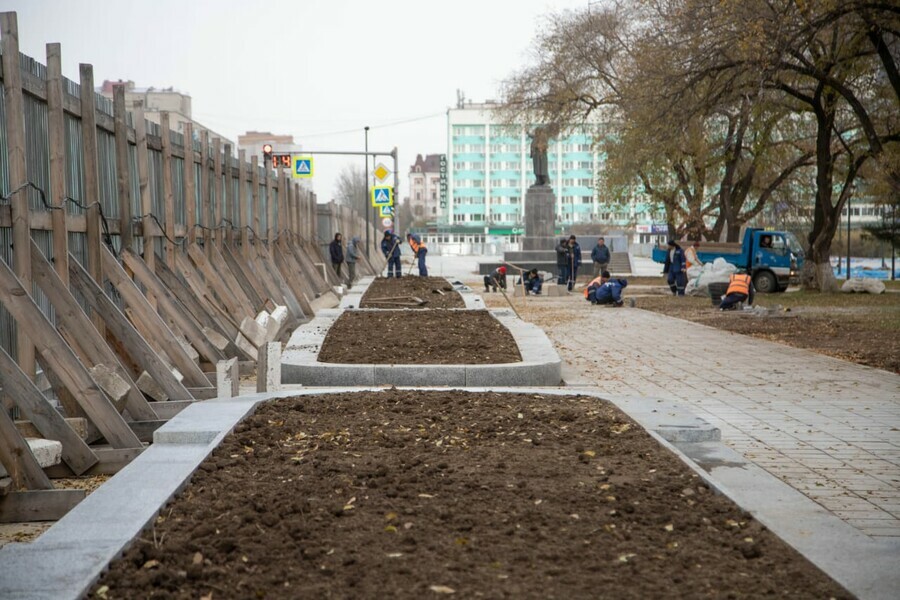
(562, 262)
(353, 255)
(533, 282)
(600, 256)
(419, 251)
(336, 250)
(495, 279)
(574, 256)
(690, 256)
(390, 247)
(611, 293)
(676, 269)
(740, 288)
(591, 289)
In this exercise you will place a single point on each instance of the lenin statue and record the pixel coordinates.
(539, 142)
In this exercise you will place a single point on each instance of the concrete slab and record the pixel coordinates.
(46, 452)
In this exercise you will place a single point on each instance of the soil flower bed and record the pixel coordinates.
(405, 288)
(434, 337)
(410, 494)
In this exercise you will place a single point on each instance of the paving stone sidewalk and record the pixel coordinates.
(827, 427)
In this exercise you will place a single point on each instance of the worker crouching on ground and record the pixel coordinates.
(676, 269)
(740, 288)
(533, 282)
(390, 247)
(496, 279)
(591, 290)
(610, 292)
(419, 251)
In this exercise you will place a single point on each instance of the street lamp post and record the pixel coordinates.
(366, 198)
(849, 198)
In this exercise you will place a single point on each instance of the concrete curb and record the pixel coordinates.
(540, 365)
(67, 559)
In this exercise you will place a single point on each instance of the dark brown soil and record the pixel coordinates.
(405, 288)
(432, 337)
(860, 328)
(409, 494)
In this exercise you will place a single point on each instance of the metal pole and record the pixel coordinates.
(366, 198)
(396, 193)
(849, 198)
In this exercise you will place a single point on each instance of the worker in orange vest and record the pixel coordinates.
(740, 288)
(690, 256)
(419, 251)
(594, 285)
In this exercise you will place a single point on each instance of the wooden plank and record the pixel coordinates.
(271, 226)
(18, 175)
(244, 294)
(187, 298)
(302, 292)
(56, 138)
(248, 282)
(59, 358)
(38, 505)
(272, 290)
(214, 281)
(205, 219)
(168, 193)
(137, 347)
(74, 325)
(254, 204)
(16, 457)
(217, 186)
(77, 424)
(160, 333)
(149, 228)
(91, 177)
(290, 300)
(111, 460)
(144, 429)
(190, 196)
(43, 416)
(123, 174)
(282, 212)
(242, 199)
(170, 306)
(227, 199)
(198, 287)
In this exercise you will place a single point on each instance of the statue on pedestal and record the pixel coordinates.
(540, 141)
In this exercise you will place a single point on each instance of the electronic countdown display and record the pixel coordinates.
(281, 159)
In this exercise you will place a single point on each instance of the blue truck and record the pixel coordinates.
(772, 258)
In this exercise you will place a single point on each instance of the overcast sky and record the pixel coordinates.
(318, 70)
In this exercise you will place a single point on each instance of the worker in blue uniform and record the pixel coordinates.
(390, 247)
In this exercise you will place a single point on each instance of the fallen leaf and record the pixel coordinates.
(442, 589)
(395, 555)
(150, 564)
(669, 527)
(198, 558)
(590, 453)
(101, 593)
(390, 529)
(390, 516)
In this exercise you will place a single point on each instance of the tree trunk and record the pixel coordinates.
(733, 232)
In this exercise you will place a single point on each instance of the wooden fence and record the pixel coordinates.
(134, 262)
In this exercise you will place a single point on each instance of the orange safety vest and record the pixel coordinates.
(739, 284)
(690, 256)
(415, 247)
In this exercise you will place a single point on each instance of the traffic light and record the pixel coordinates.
(267, 153)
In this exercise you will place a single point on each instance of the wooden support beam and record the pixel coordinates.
(249, 283)
(217, 262)
(254, 204)
(242, 199)
(271, 206)
(170, 307)
(136, 346)
(110, 460)
(227, 200)
(75, 327)
(217, 186)
(290, 300)
(91, 178)
(18, 174)
(214, 281)
(38, 505)
(168, 193)
(123, 173)
(59, 358)
(46, 419)
(194, 281)
(190, 196)
(56, 138)
(144, 429)
(149, 228)
(153, 324)
(205, 207)
(17, 459)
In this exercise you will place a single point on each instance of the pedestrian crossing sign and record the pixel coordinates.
(385, 211)
(302, 167)
(382, 196)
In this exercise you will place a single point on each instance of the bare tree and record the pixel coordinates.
(350, 188)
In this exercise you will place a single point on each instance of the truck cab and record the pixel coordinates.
(772, 258)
